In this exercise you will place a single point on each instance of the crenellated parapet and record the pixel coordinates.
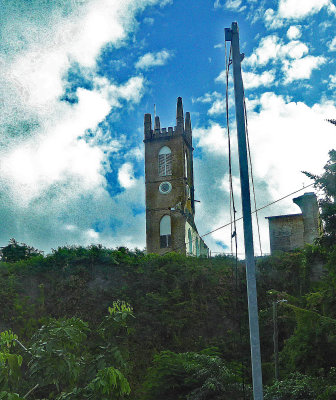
(182, 127)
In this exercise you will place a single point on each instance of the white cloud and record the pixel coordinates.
(332, 44)
(324, 25)
(272, 47)
(268, 49)
(137, 153)
(148, 21)
(208, 97)
(217, 107)
(52, 182)
(295, 63)
(150, 60)
(283, 143)
(301, 68)
(272, 21)
(126, 176)
(212, 139)
(221, 77)
(294, 49)
(92, 235)
(216, 100)
(294, 32)
(132, 90)
(293, 9)
(332, 83)
(331, 8)
(289, 10)
(46, 159)
(233, 5)
(290, 128)
(253, 80)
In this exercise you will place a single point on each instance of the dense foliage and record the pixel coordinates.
(67, 360)
(191, 376)
(96, 323)
(186, 334)
(15, 251)
(326, 182)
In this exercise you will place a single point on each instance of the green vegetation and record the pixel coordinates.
(327, 184)
(95, 323)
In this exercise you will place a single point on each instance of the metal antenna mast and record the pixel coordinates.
(232, 35)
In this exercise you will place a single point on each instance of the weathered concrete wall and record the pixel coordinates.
(310, 213)
(289, 232)
(286, 232)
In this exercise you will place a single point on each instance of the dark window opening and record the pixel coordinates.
(165, 241)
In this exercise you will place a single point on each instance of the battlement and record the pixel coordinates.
(182, 127)
(157, 132)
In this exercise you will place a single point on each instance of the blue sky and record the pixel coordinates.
(77, 77)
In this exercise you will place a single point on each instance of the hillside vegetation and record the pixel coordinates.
(96, 323)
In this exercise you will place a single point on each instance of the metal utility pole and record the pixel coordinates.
(232, 35)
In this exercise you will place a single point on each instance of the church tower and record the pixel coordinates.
(170, 207)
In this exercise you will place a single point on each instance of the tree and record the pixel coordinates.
(15, 251)
(327, 183)
(191, 376)
(10, 366)
(67, 360)
(295, 387)
(57, 353)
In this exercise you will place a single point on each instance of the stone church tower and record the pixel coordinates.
(170, 207)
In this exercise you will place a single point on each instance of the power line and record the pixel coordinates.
(261, 208)
(229, 223)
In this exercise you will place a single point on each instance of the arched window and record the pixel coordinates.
(165, 161)
(165, 231)
(185, 165)
(190, 241)
(197, 248)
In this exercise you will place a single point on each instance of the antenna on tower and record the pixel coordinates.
(154, 111)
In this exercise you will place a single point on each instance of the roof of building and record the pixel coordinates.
(284, 216)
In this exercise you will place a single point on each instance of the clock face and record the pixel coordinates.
(165, 187)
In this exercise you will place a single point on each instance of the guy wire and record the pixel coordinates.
(232, 203)
(251, 170)
(237, 316)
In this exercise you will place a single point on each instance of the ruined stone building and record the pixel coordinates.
(289, 232)
(170, 203)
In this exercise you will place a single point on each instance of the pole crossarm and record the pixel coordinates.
(232, 35)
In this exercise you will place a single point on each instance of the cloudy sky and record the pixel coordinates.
(78, 75)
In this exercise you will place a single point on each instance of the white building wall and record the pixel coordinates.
(196, 251)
